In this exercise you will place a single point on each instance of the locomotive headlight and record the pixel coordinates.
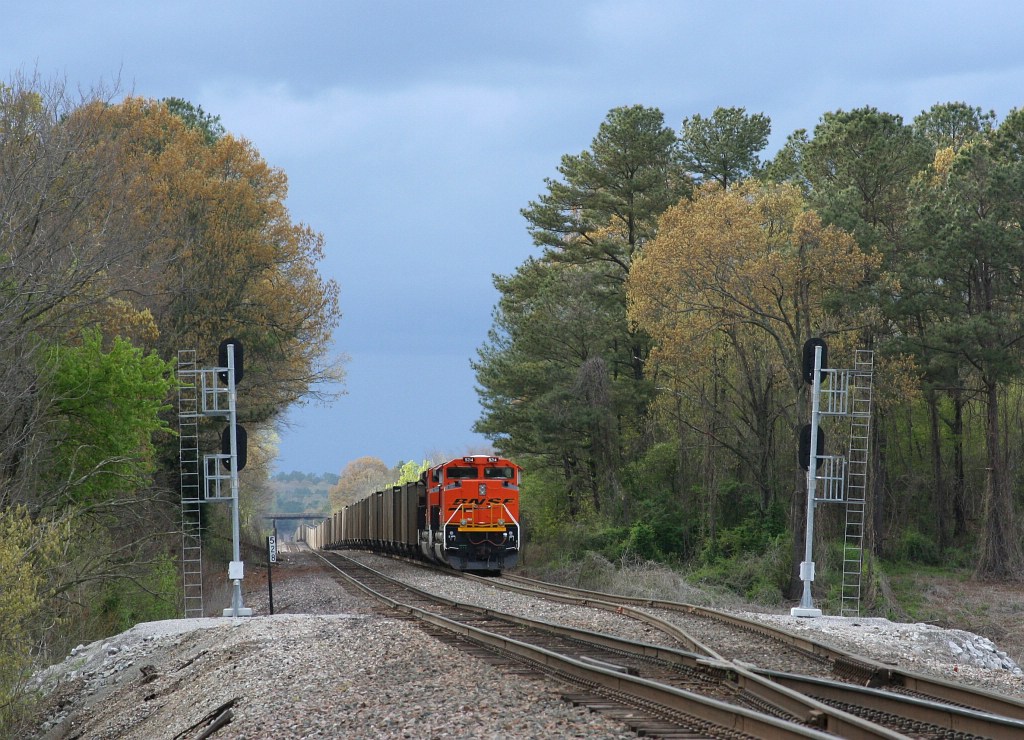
(482, 488)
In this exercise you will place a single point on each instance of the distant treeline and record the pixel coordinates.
(328, 479)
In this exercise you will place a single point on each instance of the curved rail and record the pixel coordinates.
(844, 663)
(807, 717)
(858, 668)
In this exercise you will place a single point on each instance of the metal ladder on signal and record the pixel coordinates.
(857, 481)
(188, 460)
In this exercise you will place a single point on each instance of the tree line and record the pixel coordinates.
(366, 475)
(645, 365)
(129, 230)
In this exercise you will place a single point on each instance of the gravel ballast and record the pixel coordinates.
(329, 665)
(344, 672)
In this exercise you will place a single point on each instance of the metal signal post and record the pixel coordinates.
(236, 567)
(806, 608)
(209, 392)
(835, 478)
(217, 399)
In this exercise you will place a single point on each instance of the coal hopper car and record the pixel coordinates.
(463, 513)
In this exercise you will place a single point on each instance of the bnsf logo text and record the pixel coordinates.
(478, 501)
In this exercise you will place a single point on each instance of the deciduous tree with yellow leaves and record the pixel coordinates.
(129, 230)
(734, 284)
(219, 254)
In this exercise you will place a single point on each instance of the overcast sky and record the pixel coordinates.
(412, 133)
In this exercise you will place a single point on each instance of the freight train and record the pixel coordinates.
(463, 513)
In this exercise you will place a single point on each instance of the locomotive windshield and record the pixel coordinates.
(504, 472)
(459, 472)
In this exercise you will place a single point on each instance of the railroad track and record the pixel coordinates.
(664, 691)
(796, 661)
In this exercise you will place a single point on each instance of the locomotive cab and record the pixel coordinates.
(473, 505)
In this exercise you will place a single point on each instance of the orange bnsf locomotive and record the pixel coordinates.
(464, 513)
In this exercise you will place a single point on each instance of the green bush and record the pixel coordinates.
(915, 547)
(27, 550)
(153, 596)
(109, 407)
(963, 556)
(756, 533)
(758, 576)
(642, 543)
(655, 502)
(544, 511)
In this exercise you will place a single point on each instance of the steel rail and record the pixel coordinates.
(963, 720)
(864, 670)
(865, 667)
(818, 717)
(680, 635)
(683, 637)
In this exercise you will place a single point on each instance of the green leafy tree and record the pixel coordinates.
(196, 118)
(108, 406)
(859, 165)
(606, 205)
(105, 406)
(946, 128)
(546, 391)
(953, 125)
(411, 471)
(723, 148)
(971, 246)
(598, 216)
(787, 165)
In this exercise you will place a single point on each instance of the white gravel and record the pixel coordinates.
(955, 655)
(341, 670)
(353, 675)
